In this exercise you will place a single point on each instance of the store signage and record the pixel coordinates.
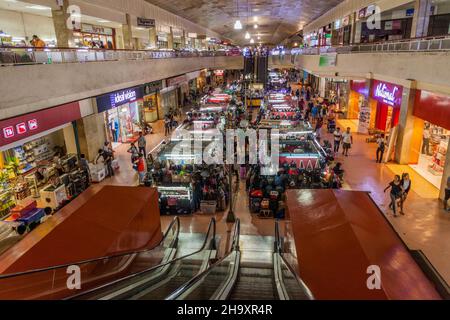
(118, 98)
(346, 21)
(362, 13)
(410, 12)
(388, 93)
(360, 87)
(152, 87)
(370, 10)
(388, 25)
(328, 60)
(18, 128)
(176, 80)
(218, 73)
(89, 28)
(144, 22)
(192, 35)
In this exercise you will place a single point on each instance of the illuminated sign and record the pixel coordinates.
(8, 132)
(21, 128)
(118, 98)
(388, 93)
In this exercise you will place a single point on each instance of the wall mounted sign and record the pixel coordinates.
(18, 128)
(152, 87)
(362, 13)
(388, 25)
(176, 80)
(146, 23)
(328, 60)
(410, 12)
(118, 98)
(388, 93)
(89, 28)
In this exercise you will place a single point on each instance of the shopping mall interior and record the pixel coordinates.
(252, 150)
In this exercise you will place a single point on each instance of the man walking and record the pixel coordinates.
(337, 139)
(347, 141)
(381, 146)
(142, 143)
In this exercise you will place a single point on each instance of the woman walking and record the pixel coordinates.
(396, 193)
(406, 186)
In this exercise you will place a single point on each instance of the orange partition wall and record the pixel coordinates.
(338, 235)
(103, 221)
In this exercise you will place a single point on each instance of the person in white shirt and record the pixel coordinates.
(426, 141)
(347, 141)
(337, 139)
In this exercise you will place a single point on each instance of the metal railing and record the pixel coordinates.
(30, 55)
(432, 44)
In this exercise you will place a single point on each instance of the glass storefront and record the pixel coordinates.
(123, 123)
(94, 36)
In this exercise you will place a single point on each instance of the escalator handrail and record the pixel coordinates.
(188, 285)
(279, 252)
(176, 221)
(212, 246)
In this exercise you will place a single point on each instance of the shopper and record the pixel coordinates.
(142, 143)
(396, 193)
(337, 139)
(107, 161)
(314, 113)
(37, 42)
(167, 125)
(426, 141)
(318, 129)
(447, 194)
(347, 141)
(406, 186)
(133, 150)
(381, 147)
(84, 166)
(140, 167)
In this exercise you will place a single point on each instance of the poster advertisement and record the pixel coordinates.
(364, 116)
(328, 60)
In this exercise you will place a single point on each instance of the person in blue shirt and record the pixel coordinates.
(314, 113)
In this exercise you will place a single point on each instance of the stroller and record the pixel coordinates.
(331, 126)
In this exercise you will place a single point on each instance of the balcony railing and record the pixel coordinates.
(433, 44)
(26, 55)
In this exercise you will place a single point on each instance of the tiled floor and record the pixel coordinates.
(425, 226)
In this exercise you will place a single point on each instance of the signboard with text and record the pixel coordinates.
(176, 80)
(18, 128)
(388, 93)
(146, 23)
(328, 60)
(118, 98)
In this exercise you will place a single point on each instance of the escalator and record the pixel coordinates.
(151, 264)
(258, 272)
(159, 281)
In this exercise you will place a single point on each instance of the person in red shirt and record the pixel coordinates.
(140, 164)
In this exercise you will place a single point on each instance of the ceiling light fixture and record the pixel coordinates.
(252, 41)
(255, 26)
(237, 24)
(255, 19)
(247, 35)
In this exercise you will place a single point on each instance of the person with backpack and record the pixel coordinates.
(381, 147)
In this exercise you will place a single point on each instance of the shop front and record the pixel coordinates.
(122, 111)
(152, 100)
(360, 106)
(192, 82)
(388, 97)
(38, 151)
(91, 35)
(174, 95)
(431, 136)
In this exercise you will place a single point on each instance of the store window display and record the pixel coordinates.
(433, 152)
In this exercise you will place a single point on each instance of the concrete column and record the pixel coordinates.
(69, 139)
(421, 19)
(153, 37)
(405, 124)
(91, 134)
(63, 26)
(446, 173)
(127, 34)
(354, 26)
(183, 40)
(170, 39)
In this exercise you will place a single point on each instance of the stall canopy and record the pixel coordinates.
(339, 235)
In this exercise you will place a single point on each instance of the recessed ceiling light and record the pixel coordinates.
(255, 26)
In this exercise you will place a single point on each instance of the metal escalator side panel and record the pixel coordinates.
(278, 277)
(211, 232)
(155, 276)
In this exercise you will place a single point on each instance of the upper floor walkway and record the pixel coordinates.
(425, 60)
(33, 79)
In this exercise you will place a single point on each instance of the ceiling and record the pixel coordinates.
(276, 19)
